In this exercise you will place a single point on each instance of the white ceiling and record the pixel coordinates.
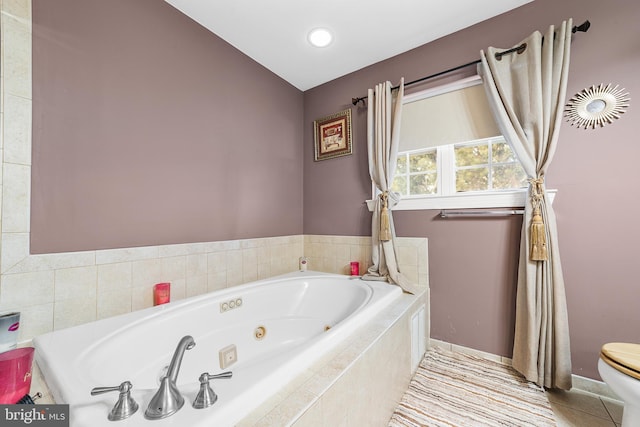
(274, 32)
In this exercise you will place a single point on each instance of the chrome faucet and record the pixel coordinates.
(168, 400)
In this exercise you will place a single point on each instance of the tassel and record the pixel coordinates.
(385, 229)
(538, 249)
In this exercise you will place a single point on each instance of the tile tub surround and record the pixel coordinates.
(62, 290)
(358, 383)
(332, 254)
(57, 291)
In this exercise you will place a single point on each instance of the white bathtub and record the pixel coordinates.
(304, 314)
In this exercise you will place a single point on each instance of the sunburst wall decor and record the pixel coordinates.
(596, 106)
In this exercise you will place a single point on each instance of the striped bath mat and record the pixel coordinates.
(461, 390)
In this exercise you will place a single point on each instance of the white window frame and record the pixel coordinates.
(467, 200)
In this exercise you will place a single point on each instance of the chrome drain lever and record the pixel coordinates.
(125, 406)
(206, 396)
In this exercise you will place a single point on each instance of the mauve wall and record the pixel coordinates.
(473, 262)
(148, 129)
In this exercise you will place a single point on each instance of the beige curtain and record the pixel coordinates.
(527, 93)
(383, 138)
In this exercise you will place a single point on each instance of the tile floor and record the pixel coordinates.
(578, 408)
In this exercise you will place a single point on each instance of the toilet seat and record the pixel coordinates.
(624, 357)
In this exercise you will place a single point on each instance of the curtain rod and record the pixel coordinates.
(584, 27)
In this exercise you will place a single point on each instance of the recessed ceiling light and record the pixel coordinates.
(320, 37)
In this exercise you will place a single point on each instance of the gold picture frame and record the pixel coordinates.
(332, 136)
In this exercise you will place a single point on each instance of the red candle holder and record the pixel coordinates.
(355, 268)
(161, 293)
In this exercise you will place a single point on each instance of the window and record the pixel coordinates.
(481, 165)
(452, 154)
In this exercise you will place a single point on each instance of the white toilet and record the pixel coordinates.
(619, 367)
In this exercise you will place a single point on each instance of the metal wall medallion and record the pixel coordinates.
(596, 106)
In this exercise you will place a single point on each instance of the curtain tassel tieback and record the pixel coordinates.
(538, 247)
(385, 229)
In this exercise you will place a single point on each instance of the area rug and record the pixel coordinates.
(461, 390)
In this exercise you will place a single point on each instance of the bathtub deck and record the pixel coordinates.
(321, 391)
(367, 363)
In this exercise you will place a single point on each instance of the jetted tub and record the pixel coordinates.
(279, 327)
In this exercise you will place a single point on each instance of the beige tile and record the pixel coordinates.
(343, 251)
(569, 417)
(80, 282)
(35, 320)
(146, 273)
(113, 302)
(335, 403)
(329, 265)
(229, 245)
(141, 297)
(264, 255)
(234, 260)
(110, 256)
(27, 289)
(217, 281)
(407, 255)
(174, 268)
(16, 195)
(197, 265)
(114, 276)
(16, 56)
(43, 262)
(442, 344)
(477, 353)
(264, 270)
(17, 8)
(17, 130)
(261, 411)
(249, 273)
(73, 312)
(614, 408)
(289, 410)
(312, 417)
(324, 378)
(217, 262)
(250, 256)
(196, 285)
(410, 272)
(313, 249)
(182, 249)
(234, 277)
(252, 243)
(593, 386)
(178, 289)
(278, 266)
(578, 400)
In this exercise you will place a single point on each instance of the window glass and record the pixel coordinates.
(450, 144)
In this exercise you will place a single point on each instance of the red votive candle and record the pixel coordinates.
(355, 268)
(161, 293)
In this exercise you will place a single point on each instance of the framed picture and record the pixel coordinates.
(332, 136)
